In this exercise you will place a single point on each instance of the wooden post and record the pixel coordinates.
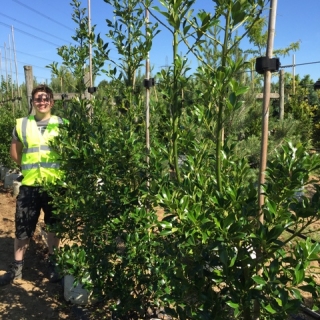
(265, 108)
(87, 95)
(86, 79)
(272, 95)
(29, 85)
(281, 111)
(147, 103)
(252, 76)
(90, 46)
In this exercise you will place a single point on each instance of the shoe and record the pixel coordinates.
(54, 274)
(14, 273)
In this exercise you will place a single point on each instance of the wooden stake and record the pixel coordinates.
(29, 85)
(147, 100)
(90, 45)
(264, 138)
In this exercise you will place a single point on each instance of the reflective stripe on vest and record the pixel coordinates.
(48, 165)
(36, 149)
(24, 131)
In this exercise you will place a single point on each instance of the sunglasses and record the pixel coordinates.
(40, 99)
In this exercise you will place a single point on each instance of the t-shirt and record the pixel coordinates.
(42, 125)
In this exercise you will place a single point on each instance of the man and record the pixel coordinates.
(30, 149)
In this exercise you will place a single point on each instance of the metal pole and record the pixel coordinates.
(5, 58)
(10, 64)
(265, 123)
(90, 45)
(16, 66)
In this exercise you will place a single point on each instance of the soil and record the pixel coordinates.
(34, 297)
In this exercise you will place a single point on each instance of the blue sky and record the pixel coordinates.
(40, 26)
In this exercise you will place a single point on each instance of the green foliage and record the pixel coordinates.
(246, 131)
(258, 35)
(7, 123)
(74, 261)
(12, 95)
(63, 81)
(131, 36)
(179, 227)
(75, 57)
(302, 107)
(197, 260)
(107, 218)
(211, 238)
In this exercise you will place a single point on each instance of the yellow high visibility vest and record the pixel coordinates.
(39, 162)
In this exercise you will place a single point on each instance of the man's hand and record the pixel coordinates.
(16, 151)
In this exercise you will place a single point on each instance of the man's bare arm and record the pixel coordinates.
(16, 151)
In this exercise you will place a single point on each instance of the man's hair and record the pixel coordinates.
(42, 88)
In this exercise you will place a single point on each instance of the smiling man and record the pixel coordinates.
(30, 149)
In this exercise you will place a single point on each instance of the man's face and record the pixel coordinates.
(42, 102)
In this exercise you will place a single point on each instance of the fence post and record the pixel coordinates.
(86, 80)
(29, 85)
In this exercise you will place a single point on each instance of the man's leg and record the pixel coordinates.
(26, 218)
(53, 242)
(20, 247)
(15, 269)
